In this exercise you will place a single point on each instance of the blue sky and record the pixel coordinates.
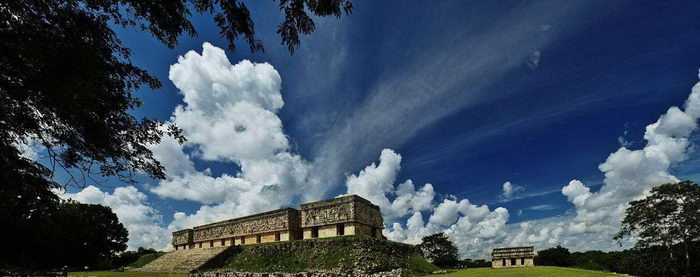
(470, 94)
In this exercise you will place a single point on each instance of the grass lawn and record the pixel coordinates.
(527, 272)
(123, 274)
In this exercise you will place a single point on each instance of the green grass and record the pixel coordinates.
(145, 259)
(418, 265)
(123, 274)
(538, 271)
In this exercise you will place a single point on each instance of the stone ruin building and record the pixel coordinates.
(347, 215)
(513, 257)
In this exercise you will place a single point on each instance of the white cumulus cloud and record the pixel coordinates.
(230, 116)
(376, 183)
(510, 189)
(471, 226)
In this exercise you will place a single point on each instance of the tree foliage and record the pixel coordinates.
(469, 263)
(652, 261)
(668, 216)
(439, 250)
(67, 81)
(555, 256)
(89, 233)
(74, 235)
(127, 258)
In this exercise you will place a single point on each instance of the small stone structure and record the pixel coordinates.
(347, 215)
(513, 257)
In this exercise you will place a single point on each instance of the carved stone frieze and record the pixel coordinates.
(274, 221)
(340, 210)
(336, 213)
(182, 237)
(267, 224)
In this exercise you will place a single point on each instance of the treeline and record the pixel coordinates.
(652, 261)
(469, 263)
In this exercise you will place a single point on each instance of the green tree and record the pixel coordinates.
(555, 256)
(67, 83)
(668, 216)
(439, 250)
(85, 235)
(74, 235)
(593, 260)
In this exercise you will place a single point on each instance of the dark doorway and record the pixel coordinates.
(242, 240)
(314, 232)
(504, 262)
(258, 239)
(522, 261)
(340, 229)
(277, 236)
(512, 261)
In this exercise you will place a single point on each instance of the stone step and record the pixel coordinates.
(183, 261)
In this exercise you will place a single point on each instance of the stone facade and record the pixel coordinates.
(277, 225)
(523, 256)
(348, 215)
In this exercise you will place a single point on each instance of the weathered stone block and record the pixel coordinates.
(327, 231)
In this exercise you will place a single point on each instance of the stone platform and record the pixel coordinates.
(184, 261)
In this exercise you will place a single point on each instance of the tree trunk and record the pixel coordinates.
(687, 258)
(673, 260)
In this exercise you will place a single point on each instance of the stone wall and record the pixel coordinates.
(519, 262)
(249, 226)
(362, 229)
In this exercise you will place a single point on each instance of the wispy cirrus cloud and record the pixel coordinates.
(451, 74)
(543, 207)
